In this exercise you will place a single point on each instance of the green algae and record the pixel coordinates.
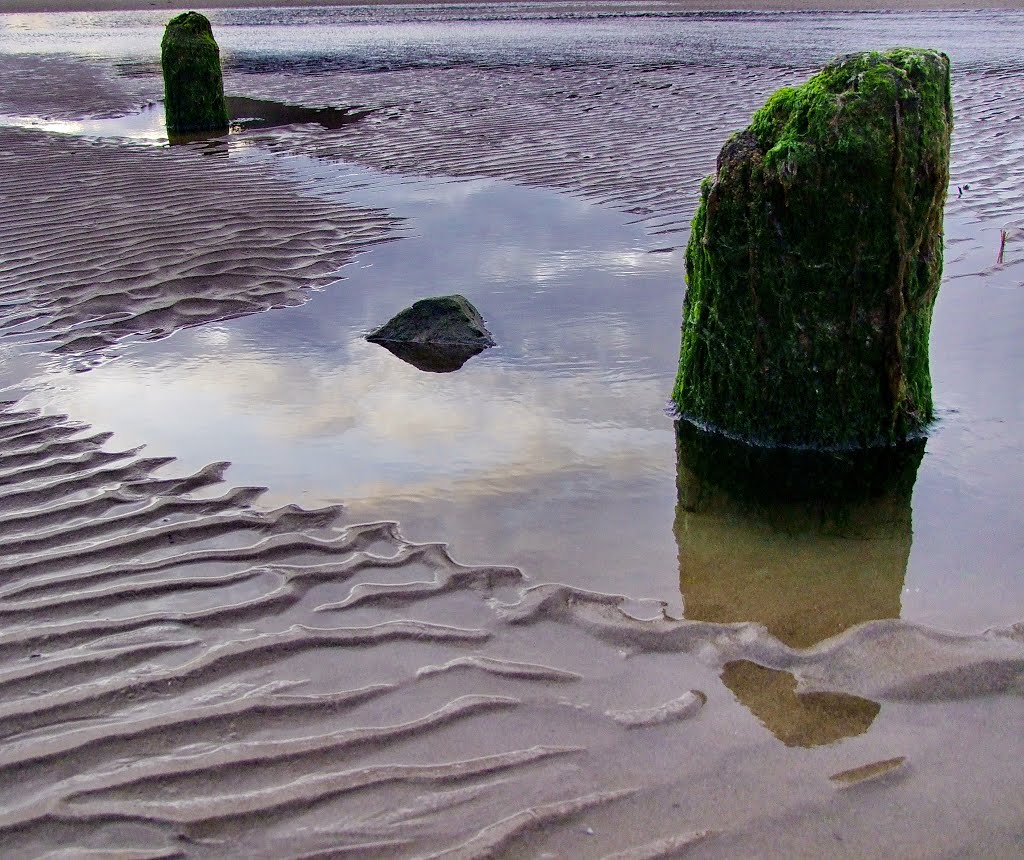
(815, 259)
(193, 84)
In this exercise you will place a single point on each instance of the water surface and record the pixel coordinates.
(554, 451)
(320, 40)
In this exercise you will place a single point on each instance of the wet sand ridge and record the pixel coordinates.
(187, 676)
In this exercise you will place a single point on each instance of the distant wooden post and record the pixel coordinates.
(193, 83)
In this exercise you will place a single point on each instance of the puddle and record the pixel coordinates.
(553, 450)
(535, 451)
(144, 126)
(148, 125)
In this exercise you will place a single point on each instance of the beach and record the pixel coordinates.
(269, 591)
(33, 6)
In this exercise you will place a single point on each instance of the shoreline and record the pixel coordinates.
(620, 6)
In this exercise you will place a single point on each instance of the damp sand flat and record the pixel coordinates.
(188, 672)
(593, 6)
(598, 6)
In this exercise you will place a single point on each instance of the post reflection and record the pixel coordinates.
(808, 543)
(250, 114)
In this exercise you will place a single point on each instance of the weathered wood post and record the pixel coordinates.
(193, 84)
(815, 260)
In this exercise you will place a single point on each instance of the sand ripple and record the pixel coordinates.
(190, 675)
(637, 139)
(242, 241)
(640, 140)
(103, 242)
(186, 674)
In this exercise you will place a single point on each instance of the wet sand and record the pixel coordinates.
(186, 673)
(223, 243)
(186, 676)
(33, 6)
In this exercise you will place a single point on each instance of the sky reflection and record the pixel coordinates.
(552, 450)
(568, 408)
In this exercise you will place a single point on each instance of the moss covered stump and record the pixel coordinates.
(816, 256)
(193, 84)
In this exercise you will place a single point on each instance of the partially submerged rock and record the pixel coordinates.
(438, 334)
(816, 256)
(193, 83)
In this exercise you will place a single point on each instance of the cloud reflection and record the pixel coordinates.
(575, 380)
(551, 450)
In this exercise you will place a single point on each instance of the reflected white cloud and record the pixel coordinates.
(583, 314)
(147, 126)
(347, 426)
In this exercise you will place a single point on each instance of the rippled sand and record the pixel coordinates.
(184, 673)
(149, 242)
(606, 6)
(187, 676)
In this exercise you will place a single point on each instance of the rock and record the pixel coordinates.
(816, 256)
(438, 334)
(193, 84)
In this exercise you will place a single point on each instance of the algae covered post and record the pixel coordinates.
(193, 84)
(816, 256)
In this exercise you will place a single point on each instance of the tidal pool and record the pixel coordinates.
(555, 450)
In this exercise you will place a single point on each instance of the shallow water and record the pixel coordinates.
(556, 437)
(319, 40)
(148, 126)
(555, 451)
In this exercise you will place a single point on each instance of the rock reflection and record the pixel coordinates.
(797, 719)
(808, 543)
(215, 142)
(246, 113)
(431, 358)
